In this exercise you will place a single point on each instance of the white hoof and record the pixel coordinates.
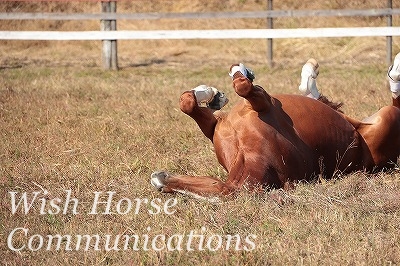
(394, 77)
(157, 179)
(309, 73)
(204, 94)
(394, 71)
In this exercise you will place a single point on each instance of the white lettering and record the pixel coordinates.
(54, 204)
(210, 240)
(250, 242)
(229, 240)
(167, 205)
(155, 206)
(68, 200)
(154, 243)
(128, 207)
(96, 202)
(24, 198)
(10, 238)
(88, 239)
(116, 241)
(59, 238)
(38, 243)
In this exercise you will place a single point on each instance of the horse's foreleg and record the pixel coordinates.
(197, 186)
(259, 99)
(203, 116)
(394, 80)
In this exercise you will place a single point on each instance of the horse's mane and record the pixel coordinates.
(334, 105)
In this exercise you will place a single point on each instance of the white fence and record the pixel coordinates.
(109, 34)
(201, 34)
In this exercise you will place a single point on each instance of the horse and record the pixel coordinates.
(275, 141)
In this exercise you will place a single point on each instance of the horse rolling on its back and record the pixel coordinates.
(275, 140)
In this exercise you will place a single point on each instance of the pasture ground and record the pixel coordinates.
(66, 124)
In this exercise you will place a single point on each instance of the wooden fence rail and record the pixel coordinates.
(109, 35)
(204, 15)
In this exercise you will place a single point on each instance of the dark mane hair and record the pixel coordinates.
(334, 105)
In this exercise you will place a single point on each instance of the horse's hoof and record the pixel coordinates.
(218, 101)
(315, 66)
(158, 179)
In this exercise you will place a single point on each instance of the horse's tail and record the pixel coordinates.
(334, 105)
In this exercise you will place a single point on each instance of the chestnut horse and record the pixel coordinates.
(275, 140)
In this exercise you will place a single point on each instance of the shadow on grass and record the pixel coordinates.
(145, 64)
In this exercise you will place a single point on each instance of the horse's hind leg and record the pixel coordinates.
(308, 82)
(198, 186)
(191, 101)
(394, 80)
(381, 133)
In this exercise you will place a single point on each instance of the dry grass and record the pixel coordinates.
(65, 124)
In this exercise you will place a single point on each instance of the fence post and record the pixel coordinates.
(389, 38)
(269, 40)
(110, 57)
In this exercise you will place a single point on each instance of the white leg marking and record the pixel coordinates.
(157, 179)
(204, 94)
(199, 197)
(308, 84)
(394, 77)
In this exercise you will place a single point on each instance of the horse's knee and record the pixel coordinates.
(187, 102)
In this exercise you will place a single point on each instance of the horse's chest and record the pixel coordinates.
(251, 139)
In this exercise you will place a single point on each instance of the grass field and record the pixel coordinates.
(69, 128)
